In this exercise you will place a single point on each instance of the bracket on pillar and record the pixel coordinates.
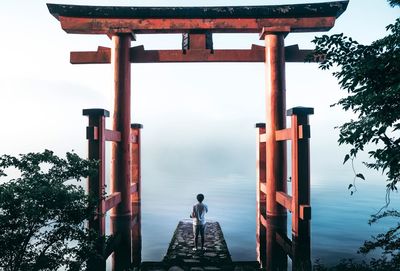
(274, 29)
(121, 30)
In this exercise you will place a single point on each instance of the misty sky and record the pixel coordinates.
(198, 118)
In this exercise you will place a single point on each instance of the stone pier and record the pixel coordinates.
(180, 255)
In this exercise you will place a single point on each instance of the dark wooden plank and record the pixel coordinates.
(328, 9)
(112, 243)
(285, 243)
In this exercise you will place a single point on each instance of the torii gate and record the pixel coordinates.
(197, 24)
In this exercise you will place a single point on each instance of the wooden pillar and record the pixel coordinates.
(275, 117)
(95, 133)
(276, 258)
(120, 161)
(301, 214)
(276, 177)
(136, 196)
(260, 194)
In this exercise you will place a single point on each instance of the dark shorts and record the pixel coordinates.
(199, 229)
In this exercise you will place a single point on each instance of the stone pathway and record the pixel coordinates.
(181, 257)
(181, 247)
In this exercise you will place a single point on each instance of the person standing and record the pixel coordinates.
(199, 221)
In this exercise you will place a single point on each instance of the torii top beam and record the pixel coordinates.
(235, 19)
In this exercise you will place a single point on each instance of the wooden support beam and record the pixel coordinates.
(134, 139)
(193, 55)
(102, 55)
(263, 221)
(112, 243)
(75, 25)
(284, 134)
(263, 188)
(135, 221)
(275, 120)
(301, 171)
(294, 54)
(112, 135)
(136, 227)
(112, 200)
(304, 131)
(96, 183)
(120, 151)
(139, 55)
(285, 243)
(285, 200)
(305, 212)
(134, 188)
(261, 193)
(92, 133)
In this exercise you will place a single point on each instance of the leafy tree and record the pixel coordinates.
(42, 213)
(371, 76)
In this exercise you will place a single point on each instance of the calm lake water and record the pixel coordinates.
(339, 221)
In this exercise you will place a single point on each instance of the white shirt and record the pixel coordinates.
(198, 214)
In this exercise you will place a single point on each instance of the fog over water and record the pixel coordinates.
(199, 133)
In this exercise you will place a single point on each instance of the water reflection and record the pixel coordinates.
(274, 247)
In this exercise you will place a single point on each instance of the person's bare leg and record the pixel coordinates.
(196, 237)
(202, 236)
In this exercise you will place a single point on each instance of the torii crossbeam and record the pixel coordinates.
(198, 24)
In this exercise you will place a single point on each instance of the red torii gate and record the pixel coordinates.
(197, 24)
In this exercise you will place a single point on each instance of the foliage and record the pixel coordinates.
(388, 242)
(371, 76)
(42, 213)
(382, 264)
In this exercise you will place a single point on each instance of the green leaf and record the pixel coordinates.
(347, 157)
(359, 175)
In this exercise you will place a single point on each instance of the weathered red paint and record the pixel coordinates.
(272, 241)
(120, 160)
(275, 120)
(136, 196)
(260, 196)
(140, 55)
(112, 200)
(96, 183)
(276, 258)
(76, 25)
(301, 188)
